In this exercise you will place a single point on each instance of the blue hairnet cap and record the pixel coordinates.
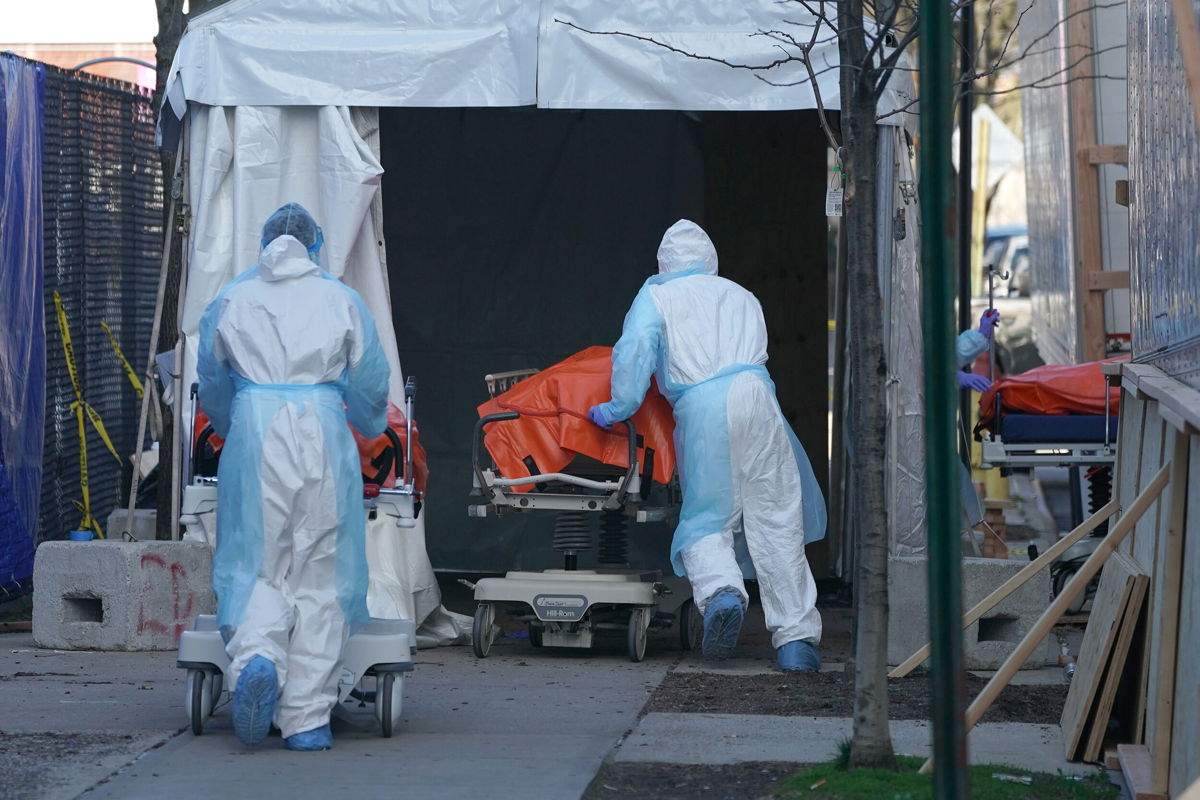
(291, 219)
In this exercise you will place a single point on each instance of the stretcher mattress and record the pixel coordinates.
(554, 427)
(1056, 428)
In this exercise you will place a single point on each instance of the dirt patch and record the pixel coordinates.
(755, 779)
(831, 694)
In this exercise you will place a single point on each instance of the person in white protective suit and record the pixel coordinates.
(287, 355)
(750, 499)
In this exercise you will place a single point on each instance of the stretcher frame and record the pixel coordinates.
(567, 606)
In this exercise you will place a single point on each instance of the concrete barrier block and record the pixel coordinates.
(989, 641)
(113, 595)
(145, 522)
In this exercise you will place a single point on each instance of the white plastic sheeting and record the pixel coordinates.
(1048, 184)
(900, 273)
(512, 52)
(243, 164)
(358, 52)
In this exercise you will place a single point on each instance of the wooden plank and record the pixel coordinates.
(1082, 100)
(1108, 612)
(1135, 767)
(1129, 461)
(1181, 399)
(1101, 280)
(1189, 49)
(1015, 582)
(1117, 663)
(1135, 373)
(1145, 535)
(1165, 620)
(1176, 421)
(1107, 154)
(1051, 615)
(1185, 767)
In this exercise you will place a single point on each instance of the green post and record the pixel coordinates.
(941, 467)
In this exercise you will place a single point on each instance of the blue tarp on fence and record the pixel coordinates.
(22, 330)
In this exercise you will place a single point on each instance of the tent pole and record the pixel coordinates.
(158, 311)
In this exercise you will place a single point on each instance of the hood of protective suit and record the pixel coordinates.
(686, 247)
(285, 257)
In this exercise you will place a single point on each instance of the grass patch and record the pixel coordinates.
(828, 782)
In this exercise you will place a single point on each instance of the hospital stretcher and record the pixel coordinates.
(1076, 427)
(568, 607)
(377, 656)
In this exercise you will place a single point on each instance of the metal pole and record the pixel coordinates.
(966, 160)
(942, 465)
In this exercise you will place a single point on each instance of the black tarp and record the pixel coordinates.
(516, 237)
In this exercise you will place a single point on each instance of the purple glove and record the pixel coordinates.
(596, 415)
(989, 320)
(969, 380)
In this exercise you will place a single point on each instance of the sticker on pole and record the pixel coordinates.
(833, 202)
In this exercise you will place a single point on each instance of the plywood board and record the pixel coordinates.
(1117, 665)
(1135, 766)
(1129, 455)
(1145, 535)
(1108, 611)
(1164, 628)
(1185, 766)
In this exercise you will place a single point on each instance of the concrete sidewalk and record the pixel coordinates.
(520, 724)
(523, 723)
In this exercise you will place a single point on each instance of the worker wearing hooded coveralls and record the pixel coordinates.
(750, 499)
(289, 354)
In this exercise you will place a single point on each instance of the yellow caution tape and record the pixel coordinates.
(133, 378)
(80, 407)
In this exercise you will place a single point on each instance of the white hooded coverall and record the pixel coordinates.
(287, 355)
(750, 499)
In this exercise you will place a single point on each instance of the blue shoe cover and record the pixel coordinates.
(254, 701)
(722, 624)
(798, 656)
(317, 739)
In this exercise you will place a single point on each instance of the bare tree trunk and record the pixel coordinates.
(872, 743)
(171, 23)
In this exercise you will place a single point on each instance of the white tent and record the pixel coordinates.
(277, 100)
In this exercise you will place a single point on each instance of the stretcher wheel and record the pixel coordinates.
(199, 698)
(481, 631)
(383, 701)
(636, 640)
(535, 635)
(691, 626)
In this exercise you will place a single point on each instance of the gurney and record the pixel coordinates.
(377, 657)
(544, 456)
(1053, 415)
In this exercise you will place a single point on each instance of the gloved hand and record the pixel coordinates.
(969, 380)
(989, 320)
(596, 415)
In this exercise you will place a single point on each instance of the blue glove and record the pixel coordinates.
(969, 380)
(989, 320)
(596, 414)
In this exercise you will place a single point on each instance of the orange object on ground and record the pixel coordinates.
(1051, 389)
(554, 427)
(368, 449)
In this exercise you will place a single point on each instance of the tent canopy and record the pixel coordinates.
(582, 54)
